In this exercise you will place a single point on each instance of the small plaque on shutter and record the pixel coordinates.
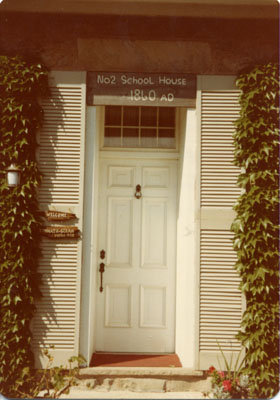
(58, 215)
(61, 232)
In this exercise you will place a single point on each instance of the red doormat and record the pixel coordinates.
(100, 359)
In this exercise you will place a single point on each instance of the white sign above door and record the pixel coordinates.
(149, 89)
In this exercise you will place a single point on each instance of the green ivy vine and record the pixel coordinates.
(22, 83)
(256, 226)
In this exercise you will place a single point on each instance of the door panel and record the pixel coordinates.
(156, 178)
(119, 232)
(153, 307)
(154, 234)
(118, 306)
(136, 310)
(121, 177)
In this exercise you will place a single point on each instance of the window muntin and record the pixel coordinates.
(140, 127)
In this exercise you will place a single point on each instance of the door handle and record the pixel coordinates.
(138, 193)
(101, 269)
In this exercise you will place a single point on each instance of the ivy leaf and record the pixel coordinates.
(256, 226)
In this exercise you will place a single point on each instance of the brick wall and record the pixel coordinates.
(162, 44)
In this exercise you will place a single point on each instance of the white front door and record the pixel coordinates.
(136, 309)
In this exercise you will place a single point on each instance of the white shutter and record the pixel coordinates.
(61, 161)
(221, 302)
(218, 175)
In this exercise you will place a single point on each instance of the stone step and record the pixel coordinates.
(142, 379)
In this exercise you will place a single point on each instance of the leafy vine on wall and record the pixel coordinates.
(256, 226)
(22, 83)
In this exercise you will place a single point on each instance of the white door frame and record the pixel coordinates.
(187, 284)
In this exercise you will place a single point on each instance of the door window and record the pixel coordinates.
(139, 127)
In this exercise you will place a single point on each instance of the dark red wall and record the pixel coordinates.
(150, 44)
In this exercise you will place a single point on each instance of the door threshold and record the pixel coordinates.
(104, 359)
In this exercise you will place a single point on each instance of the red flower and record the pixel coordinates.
(227, 385)
(222, 374)
(211, 370)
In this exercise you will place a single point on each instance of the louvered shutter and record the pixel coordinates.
(61, 161)
(221, 302)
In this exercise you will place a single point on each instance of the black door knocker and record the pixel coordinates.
(138, 193)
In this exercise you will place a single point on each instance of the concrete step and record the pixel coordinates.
(76, 393)
(142, 379)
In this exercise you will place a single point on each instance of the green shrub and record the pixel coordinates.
(50, 382)
(21, 85)
(256, 226)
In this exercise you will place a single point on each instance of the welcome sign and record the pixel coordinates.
(127, 88)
